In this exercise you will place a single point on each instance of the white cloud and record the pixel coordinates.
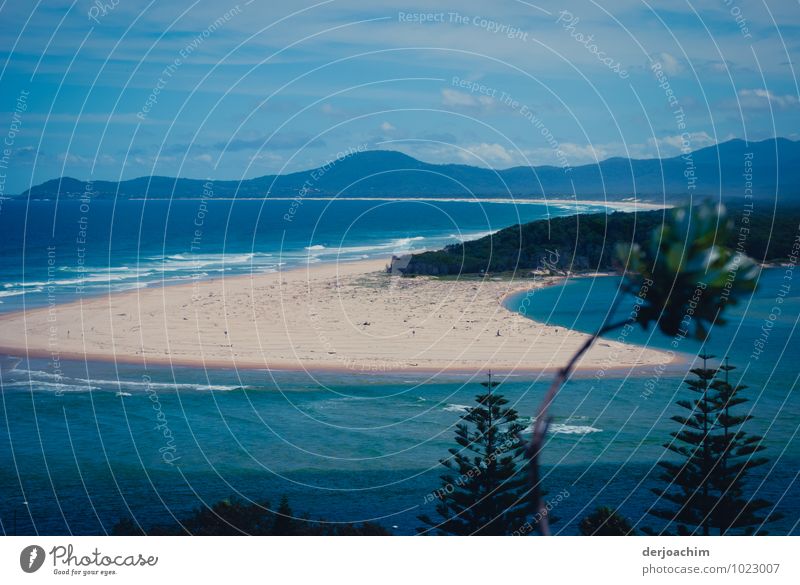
(670, 64)
(331, 110)
(487, 154)
(481, 154)
(267, 157)
(73, 159)
(584, 152)
(457, 99)
(387, 127)
(720, 66)
(762, 98)
(453, 98)
(669, 145)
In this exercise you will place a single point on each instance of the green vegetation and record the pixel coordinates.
(587, 242)
(486, 490)
(706, 488)
(685, 272)
(237, 518)
(606, 522)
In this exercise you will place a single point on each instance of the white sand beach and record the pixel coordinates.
(348, 317)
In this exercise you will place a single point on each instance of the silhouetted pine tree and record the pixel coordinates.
(736, 451)
(284, 522)
(692, 442)
(486, 491)
(706, 488)
(606, 522)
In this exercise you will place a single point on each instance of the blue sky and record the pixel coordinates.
(245, 90)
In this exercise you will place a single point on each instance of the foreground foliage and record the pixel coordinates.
(606, 522)
(235, 517)
(683, 278)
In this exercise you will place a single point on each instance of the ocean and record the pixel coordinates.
(81, 451)
(61, 251)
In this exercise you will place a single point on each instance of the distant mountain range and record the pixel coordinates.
(767, 167)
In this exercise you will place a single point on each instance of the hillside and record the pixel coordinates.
(585, 242)
(705, 172)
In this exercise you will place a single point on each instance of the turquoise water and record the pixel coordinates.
(81, 452)
(760, 334)
(342, 448)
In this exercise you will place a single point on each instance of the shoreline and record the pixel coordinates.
(524, 373)
(308, 319)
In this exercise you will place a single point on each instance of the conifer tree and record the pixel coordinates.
(485, 490)
(606, 522)
(284, 522)
(706, 487)
(737, 449)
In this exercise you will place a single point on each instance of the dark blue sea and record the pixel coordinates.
(81, 451)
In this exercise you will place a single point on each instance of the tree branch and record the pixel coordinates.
(536, 442)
